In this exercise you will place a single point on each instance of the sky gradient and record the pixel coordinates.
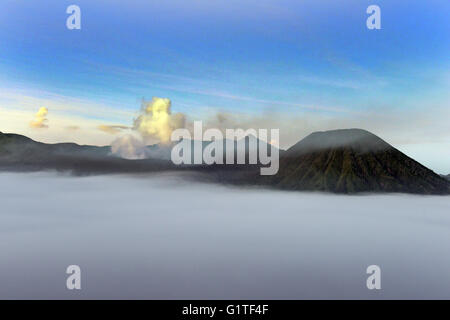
(297, 65)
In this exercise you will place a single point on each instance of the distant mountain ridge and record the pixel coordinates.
(340, 161)
(17, 146)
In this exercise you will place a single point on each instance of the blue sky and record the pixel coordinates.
(308, 59)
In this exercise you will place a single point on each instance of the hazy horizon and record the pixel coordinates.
(405, 150)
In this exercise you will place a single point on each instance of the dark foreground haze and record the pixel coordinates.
(163, 237)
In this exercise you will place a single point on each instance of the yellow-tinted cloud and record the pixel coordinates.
(157, 121)
(72, 128)
(40, 119)
(112, 129)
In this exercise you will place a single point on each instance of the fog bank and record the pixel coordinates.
(163, 237)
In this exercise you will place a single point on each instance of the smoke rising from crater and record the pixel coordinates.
(157, 120)
(154, 124)
(129, 147)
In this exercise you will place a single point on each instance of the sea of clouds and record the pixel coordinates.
(164, 237)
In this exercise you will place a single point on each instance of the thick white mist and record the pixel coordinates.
(165, 237)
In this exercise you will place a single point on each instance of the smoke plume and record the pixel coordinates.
(129, 147)
(157, 121)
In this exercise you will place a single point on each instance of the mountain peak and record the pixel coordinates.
(354, 160)
(359, 140)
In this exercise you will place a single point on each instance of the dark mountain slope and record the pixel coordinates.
(353, 160)
(18, 147)
(19, 153)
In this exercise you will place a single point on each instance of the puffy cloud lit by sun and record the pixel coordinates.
(40, 119)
